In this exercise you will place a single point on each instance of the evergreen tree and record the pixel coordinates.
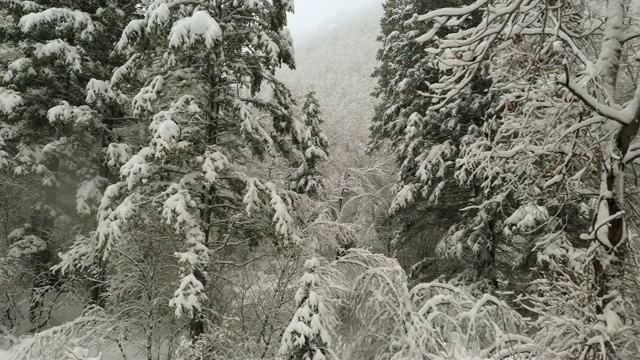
(314, 147)
(425, 144)
(441, 151)
(558, 137)
(217, 114)
(306, 337)
(58, 115)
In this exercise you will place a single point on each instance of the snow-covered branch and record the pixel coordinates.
(624, 117)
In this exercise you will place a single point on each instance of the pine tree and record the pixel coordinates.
(560, 97)
(405, 74)
(426, 144)
(441, 152)
(58, 114)
(306, 337)
(216, 114)
(314, 147)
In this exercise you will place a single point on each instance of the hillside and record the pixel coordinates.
(338, 60)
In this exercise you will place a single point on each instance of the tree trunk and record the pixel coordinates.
(197, 321)
(196, 324)
(97, 285)
(42, 222)
(608, 264)
(98, 282)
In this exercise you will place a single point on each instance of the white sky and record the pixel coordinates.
(309, 14)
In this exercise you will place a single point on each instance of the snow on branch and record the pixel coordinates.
(113, 217)
(9, 101)
(25, 6)
(129, 34)
(177, 212)
(157, 15)
(75, 19)
(623, 117)
(593, 235)
(89, 195)
(449, 12)
(64, 113)
(439, 319)
(100, 93)
(127, 68)
(215, 162)
(166, 133)
(117, 154)
(143, 100)
(594, 120)
(66, 53)
(89, 329)
(137, 168)
(251, 198)
(185, 32)
(112, 221)
(632, 154)
(288, 5)
(283, 222)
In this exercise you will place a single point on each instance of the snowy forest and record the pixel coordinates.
(410, 179)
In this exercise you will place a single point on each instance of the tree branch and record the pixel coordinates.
(620, 116)
(630, 36)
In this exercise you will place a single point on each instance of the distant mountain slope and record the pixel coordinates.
(339, 60)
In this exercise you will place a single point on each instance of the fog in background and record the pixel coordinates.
(310, 15)
(335, 51)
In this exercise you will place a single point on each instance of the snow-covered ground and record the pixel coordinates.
(4, 355)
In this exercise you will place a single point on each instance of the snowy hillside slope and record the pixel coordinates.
(338, 59)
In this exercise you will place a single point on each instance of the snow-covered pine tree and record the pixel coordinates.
(404, 73)
(565, 133)
(426, 145)
(216, 115)
(57, 116)
(314, 147)
(306, 337)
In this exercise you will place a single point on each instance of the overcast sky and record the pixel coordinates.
(309, 14)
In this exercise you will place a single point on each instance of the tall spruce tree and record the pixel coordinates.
(57, 119)
(438, 151)
(314, 147)
(425, 144)
(567, 125)
(217, 116)
(307, 337)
